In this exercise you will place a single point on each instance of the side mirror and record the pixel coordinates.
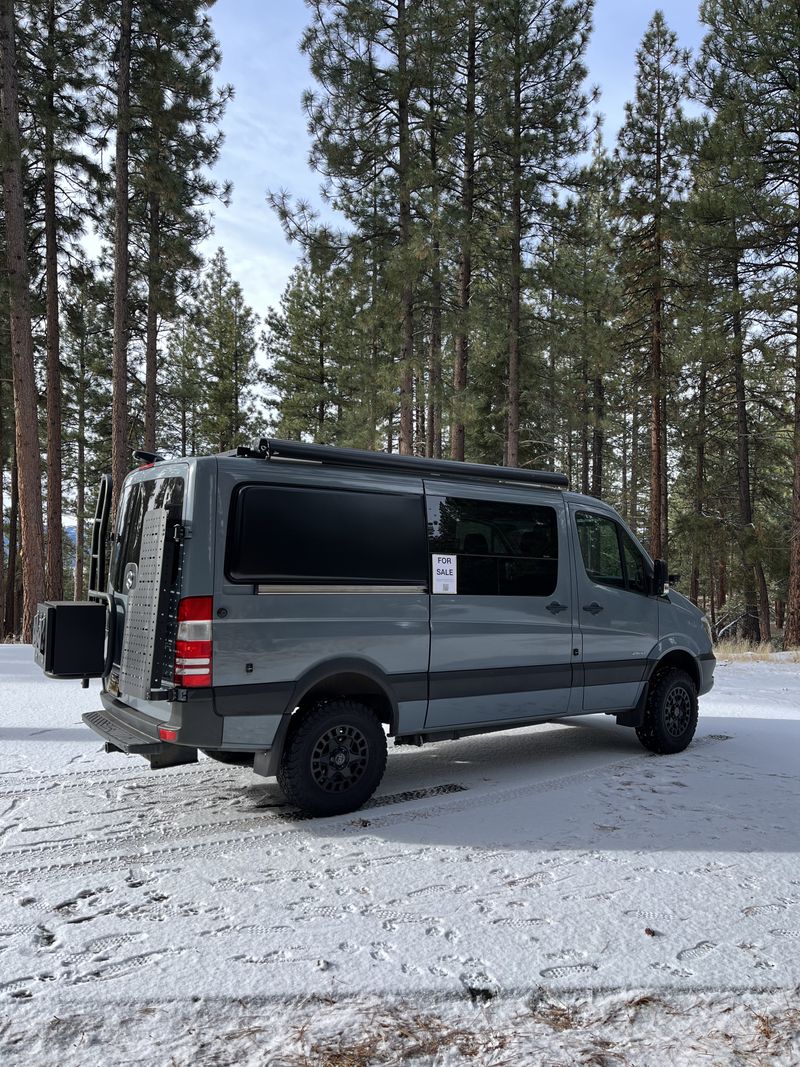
(660, 577)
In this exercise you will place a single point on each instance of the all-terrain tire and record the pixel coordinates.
(334, 757)
(671, 714)
(237, 759)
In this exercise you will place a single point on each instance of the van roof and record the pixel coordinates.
(269, 448)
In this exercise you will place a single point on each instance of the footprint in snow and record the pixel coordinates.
(111, 942)
(568, 970)
(676, 972)
(763, 909)
(697, 952)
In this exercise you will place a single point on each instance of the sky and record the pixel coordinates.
(266, 143)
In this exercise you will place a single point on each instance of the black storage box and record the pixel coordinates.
(69, 638)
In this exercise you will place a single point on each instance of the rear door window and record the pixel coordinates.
(137, 500)
(297, 535)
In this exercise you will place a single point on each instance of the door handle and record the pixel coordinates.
(593, 608)
(554, 607)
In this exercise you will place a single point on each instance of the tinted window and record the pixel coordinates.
(137, 500)
(600, 549)
(286, 534)
(635, 566)
(502, 549)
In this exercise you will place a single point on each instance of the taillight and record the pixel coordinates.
(193, 644)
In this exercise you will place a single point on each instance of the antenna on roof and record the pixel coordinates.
(147, 457)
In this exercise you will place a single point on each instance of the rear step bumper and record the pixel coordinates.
(120, 737)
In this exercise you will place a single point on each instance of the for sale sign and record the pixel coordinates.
(444, 574)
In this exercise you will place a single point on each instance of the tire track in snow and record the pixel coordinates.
(235, 843)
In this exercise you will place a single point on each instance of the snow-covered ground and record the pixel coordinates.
(551, 895)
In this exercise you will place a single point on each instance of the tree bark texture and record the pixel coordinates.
(151, 337)
(598, 436)
(22, 364)
(54, 585)
(750, 630)
(461, 363)
(406, 441)
(119, 371)
(10, 608)
(513, 386)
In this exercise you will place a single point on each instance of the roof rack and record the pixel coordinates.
(266, 448)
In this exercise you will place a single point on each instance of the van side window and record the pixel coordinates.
(503, 549)
(295, 535)
(635, 567)
(600, 549)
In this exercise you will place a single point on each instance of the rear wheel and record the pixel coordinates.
(238, 759)
(671, 715)
(334, 758)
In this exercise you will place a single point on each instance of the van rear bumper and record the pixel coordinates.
(119, 737)
(194, 722)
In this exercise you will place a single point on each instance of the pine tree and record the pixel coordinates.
(652, 159)
(119, 423)
(58, 57)
(174, 140)
(364, 119)
(25, 399)
(301, 343)
(749, 74)
(584, 279)
(537, 109)
(87, 333)
(225, 339)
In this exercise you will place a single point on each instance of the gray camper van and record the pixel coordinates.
(287, 605)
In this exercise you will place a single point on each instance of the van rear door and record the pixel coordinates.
(144, 582)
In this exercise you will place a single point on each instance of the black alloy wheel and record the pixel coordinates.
(671, 714)
(339, 758)
(334, 757)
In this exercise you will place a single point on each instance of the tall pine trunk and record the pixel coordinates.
(151, 337)
(406, 442)
(54, 586)
(3, 432)
(461, 364)
(598, 435)
(699, 479)
(657, 535)
(119, 363)
(584, 403)
(80, 492)
(791, 633)
(22, 364)
(750, 623)
(434, 421)
(513, 385)
(433, 429)
(10, 607)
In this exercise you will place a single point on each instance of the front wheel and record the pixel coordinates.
(334, 758)
(671, 715)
